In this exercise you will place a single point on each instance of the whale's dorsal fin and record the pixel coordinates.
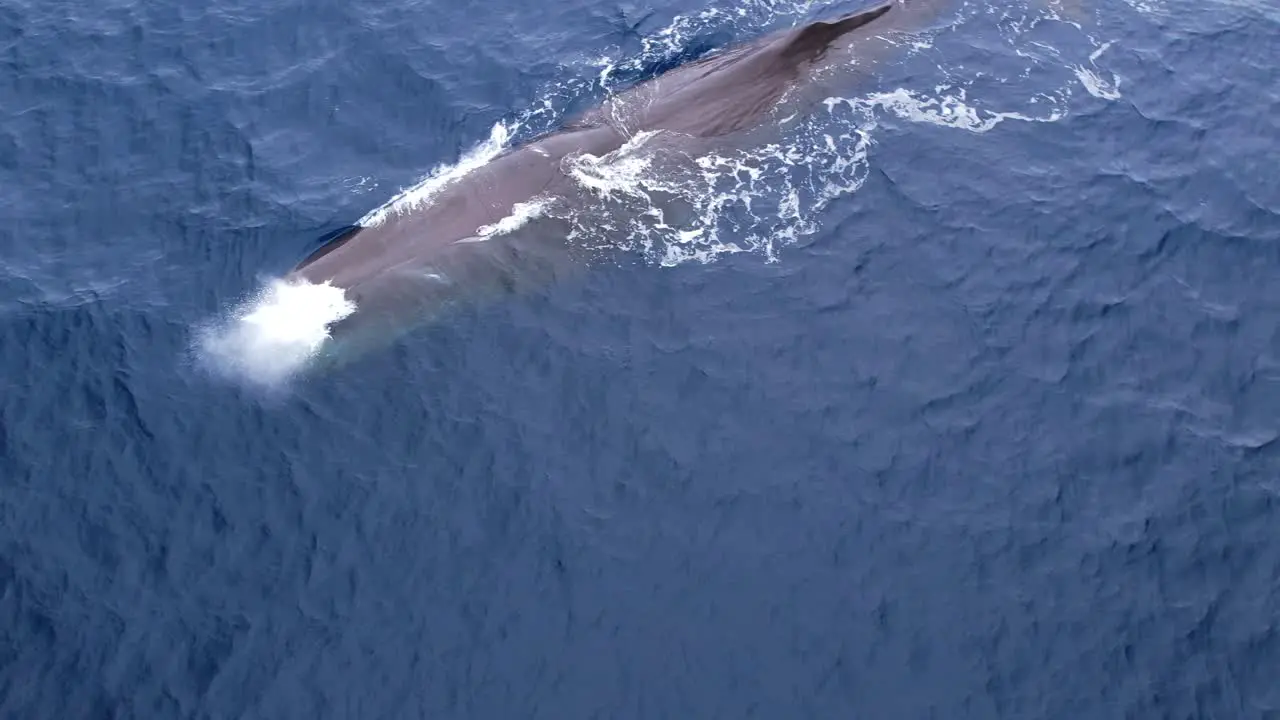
(814, 38)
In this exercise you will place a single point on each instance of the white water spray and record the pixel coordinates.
(268, 339)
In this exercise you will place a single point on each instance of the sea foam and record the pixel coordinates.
(275, 334)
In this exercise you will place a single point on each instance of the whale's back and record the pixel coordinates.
(420, 255)
(731, 90)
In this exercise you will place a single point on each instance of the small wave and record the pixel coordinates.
(1149, 7)
(269, 339)
(1093, 81)
(1097, 86)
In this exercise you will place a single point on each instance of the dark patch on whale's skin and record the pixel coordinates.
(329, 243)
(399, 262)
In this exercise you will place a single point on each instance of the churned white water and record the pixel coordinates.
(268, 339)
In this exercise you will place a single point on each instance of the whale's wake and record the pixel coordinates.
(274, 335)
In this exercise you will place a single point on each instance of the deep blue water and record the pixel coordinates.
(995, 437)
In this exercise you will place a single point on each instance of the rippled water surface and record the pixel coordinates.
(954, 398)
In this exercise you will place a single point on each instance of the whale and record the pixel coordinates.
(408, 262)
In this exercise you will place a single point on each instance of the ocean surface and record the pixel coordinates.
(958, 397)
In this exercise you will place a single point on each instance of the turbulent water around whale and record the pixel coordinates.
(767, 192)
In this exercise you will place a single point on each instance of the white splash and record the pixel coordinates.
(614, 174)
(444, 175)
(1096, 86)
(521, 214)
(672, 208)
(268, 339)
(1093, 82)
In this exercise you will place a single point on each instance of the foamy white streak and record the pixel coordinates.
(271, 337)
(946, 110)
(443, 176)
(521, 214)
(1093, 82)
(617, 173)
